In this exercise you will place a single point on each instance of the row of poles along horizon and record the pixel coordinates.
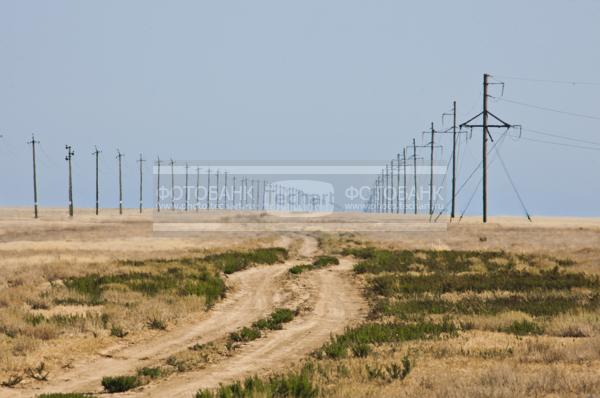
(246, 199)
(297, 198)
(380, 201)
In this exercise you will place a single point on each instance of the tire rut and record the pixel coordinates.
(335, 301)
(256, 291)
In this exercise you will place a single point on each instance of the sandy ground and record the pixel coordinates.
(332, 310)
(256, 292)
(333, 299)
(330, 297)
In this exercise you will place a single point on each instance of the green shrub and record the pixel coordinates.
(153, 373)
(276, 320)
(196, 281)
(234, 261)
(245, 334)
(35, 319)
(521, 281)
(399, 372)
(390, 372)
(120, 383)
(156, 323)
(361, 350)
(282, 315)
(522, 328)
(289, 385)
(377, 333)
(323, 261)
(118, 331)
(320, 262)
(298, 269)
(376, 261)
(535, 303)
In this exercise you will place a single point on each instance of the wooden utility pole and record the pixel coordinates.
(186, 186)
(172, 185)
(431, 172)
(197, 187)
(263, 194)
(454, 133)
(35, 197)
(257, 197)
(218, 193)
(226, 194)
(385, 189)
(485, 127)
(96, 154)
(208, 189)
(452, 211)
(70, 154)
(485, 134)
(158, 185)
(431, 145)
(377, 195)
(382, 189)
(415, 172)
(141, 160)
(404, 172)
(397, 183)
(233, 193)
(119, 157)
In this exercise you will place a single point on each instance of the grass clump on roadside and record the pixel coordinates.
(176, 281)
(523, 328)
(391, 372)
(116, 384)
(152, 373)
(375, 261)
(245, 334)
(274, 322)
(182, 277)
(518, 281)
(118, 331)
(535, 304)
(355, 339)
(297, 384)
(320, 262)
(233, 261)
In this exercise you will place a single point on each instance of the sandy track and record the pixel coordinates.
(255, 294)
(335, 302)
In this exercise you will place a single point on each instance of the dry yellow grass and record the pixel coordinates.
(38, 254)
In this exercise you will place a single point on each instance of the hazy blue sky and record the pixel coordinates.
(337, 79)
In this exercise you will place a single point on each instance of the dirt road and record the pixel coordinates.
(333, 299)
(335, 303)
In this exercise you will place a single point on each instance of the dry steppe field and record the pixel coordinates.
(104, 306)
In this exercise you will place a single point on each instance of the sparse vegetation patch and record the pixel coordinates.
(320, 262)
(290, 385)
(120, 383)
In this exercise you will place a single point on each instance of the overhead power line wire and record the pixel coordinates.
(561, 136)
(513, 184)
(565, 82)
(543, 108)
(462, 214)
(561, 144)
